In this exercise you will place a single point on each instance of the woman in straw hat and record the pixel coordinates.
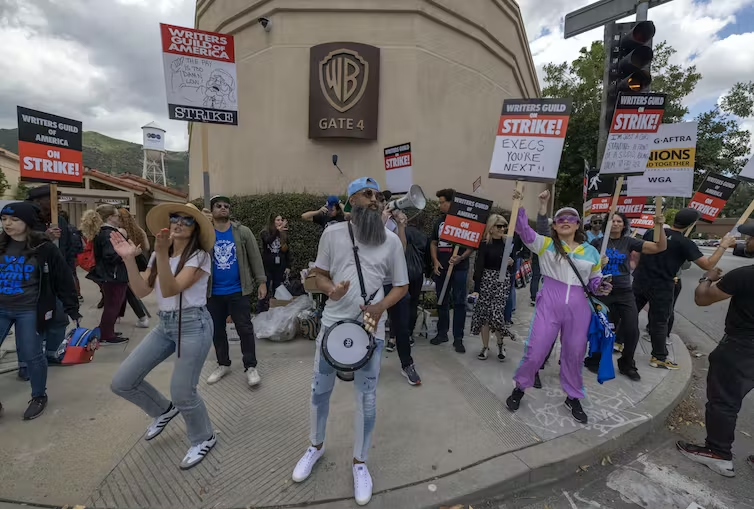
(178, 271)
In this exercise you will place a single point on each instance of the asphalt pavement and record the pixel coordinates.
(652, 474)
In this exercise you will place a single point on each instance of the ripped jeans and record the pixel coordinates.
(365, 393)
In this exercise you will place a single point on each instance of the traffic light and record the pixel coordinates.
(628, 54)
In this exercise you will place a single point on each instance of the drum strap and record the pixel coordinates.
(358, 269)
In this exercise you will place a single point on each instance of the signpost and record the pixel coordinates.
(530, 138)
(464, 226)
(200, 81)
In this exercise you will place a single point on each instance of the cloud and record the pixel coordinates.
(95, 63)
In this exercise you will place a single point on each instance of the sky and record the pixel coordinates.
(99, 61)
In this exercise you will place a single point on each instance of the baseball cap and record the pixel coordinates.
(332, 201)
(358, 185)
(568, 211)
(747, 229)
(218, 198)
(686, 217)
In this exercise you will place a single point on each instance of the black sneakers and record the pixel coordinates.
(411, 375)
(709, 458)
(459, 346)
(577, 411)
(390, 347)
(514, 401)
(36, 407)
(116, 340)
(438, 340)
(537, 381)
(628, 369)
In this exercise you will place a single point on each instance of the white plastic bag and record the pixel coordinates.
(280, 324)
(283, 294)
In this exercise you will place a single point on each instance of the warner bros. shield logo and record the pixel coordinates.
(343, 77)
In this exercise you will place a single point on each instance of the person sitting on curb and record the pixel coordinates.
(731, 365)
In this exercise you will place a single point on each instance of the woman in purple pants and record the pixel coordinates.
(561, 305)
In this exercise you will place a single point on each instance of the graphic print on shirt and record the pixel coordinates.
(615, 260)
(225, 254)
(274, 246)
(13, 272)
(440, 242)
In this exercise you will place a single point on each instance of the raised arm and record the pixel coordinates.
(708, 263)
(652, 247)
(128, 252)
(537, 243)
(309, 215)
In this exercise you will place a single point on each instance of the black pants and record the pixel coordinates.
(414, 295)
(659, 295)
(136, 304)
(730, 378)
(275, 278)
(239, 309)
(676, 292)
(398, 315)
(625, 316)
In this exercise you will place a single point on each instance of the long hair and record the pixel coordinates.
(579, 237)
(90, 224)
(491, 222)
(271, 228)
(33, 240)
(192, 247)
(626, 225)
(133, 231)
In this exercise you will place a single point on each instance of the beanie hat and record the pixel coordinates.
(24, 211)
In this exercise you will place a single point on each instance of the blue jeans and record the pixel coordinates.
(28, 345)
(365, 393)
(457, 292)
(53, 336)
(510, 305)
(157, 346)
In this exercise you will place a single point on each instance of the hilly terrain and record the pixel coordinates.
(115, 156)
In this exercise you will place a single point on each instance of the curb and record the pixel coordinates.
(542, 463)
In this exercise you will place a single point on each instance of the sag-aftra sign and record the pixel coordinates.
(344, 90)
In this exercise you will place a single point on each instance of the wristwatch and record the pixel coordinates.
(704, 279)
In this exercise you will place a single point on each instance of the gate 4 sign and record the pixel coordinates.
(670, 169)
(712, 195)
(636, 117)
(200, 75)
(530, 138)
(466, 220)
(49, 147)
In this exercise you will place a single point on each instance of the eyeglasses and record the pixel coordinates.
(186, 220)
(501, 227)
(222, 206)
(566, 218)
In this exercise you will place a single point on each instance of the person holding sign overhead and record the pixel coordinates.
(442, 260)
(562, 306)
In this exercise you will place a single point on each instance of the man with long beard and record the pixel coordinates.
(380, 255)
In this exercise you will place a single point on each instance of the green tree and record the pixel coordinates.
(581, 80)
(740, 200)
(4, 186)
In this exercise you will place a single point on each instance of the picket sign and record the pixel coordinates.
(54, 208)
(511, 230)
(447, 278)
(688, 230)
(613, 208)
(745, 216)
(658, 210)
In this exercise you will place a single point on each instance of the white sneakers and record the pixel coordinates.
(252, 376)
(218, 374)
(362, 484)
(197, 453)
(143, 322)
(158, 425)
(304, 466)
(362, 480)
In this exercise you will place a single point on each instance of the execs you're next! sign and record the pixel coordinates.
(344, 88)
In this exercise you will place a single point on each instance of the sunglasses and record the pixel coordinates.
(185, 220)
(501, 227)
(566, 218)
(222, 206)
(370, 193)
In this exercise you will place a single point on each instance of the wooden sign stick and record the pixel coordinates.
(613, 208)
(746, 214)
(658, 210)
(447, 278)
(205, 163)
(688, 230)
(511, 230)
(54, 208)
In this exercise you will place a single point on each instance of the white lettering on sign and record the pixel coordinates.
(397, 162)
(532, 126)
(459, 233)
(637, 122)
(706, 210)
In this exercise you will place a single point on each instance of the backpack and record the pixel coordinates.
(79, 346)
(85, 259)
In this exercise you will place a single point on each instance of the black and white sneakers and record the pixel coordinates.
(197, 453)
(703, 455)
(158, 425)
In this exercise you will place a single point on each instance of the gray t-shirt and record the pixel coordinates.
(619, 259)
(19, 278)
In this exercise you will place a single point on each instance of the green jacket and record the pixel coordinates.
(249, 258)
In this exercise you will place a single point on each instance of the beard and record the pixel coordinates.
(369, 228)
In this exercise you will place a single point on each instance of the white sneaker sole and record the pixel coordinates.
(169, 419)
(714, 464)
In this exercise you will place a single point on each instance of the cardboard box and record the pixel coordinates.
(274, 303)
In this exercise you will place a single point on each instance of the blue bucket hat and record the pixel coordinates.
(358, 185)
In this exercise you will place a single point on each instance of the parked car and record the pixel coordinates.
(739, 250)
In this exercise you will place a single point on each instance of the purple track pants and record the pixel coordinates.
(558, 310)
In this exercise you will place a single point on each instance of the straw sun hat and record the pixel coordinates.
(159, 218)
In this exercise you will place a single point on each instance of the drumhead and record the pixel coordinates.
(346, 345)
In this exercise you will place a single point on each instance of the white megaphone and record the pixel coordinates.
(414, 198)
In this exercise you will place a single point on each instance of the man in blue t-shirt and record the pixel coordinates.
(236, 265)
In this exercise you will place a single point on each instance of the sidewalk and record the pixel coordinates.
(449, 440)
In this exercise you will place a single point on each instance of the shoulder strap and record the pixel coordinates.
(581, 280)
(358, 269)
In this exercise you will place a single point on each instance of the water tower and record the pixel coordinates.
(154, 154)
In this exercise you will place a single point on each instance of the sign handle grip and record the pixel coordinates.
(746, 214)
(447, 278)
(54, 208)
(508, 249)
(205, 163)
(658, 210)
(613, 208)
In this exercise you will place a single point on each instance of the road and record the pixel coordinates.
(653, 474)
